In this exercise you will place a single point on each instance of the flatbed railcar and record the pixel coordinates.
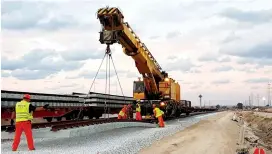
(64, 105)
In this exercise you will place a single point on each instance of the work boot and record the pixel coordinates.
(32, 149)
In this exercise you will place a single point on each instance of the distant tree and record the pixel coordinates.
(240, 106)
(217, 106)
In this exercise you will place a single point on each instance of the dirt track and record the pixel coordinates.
(215, 135)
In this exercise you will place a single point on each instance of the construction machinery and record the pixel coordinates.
(156, 86)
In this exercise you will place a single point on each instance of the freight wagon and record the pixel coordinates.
(67, 106)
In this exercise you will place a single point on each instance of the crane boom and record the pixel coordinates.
(115, 30)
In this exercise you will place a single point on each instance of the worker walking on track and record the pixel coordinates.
(123, 113)
(158, 114)
(138, 111)
(24, 111)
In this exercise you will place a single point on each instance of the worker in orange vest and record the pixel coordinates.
(138, 111)
(158, 114)
(24, 114)
(123, 113)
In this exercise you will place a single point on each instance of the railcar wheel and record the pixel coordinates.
(59, 118)
(49, 119)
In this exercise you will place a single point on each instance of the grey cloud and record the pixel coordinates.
(132, 75)
(222, 69)
(58, 22)
(255, 17)
(214, 58)
(7, 64)
(71, 77)
(179, 64)
(258, 80)
(225, 59)
(248, 70)
(259, 62)
(26, 15)
(232, 37)
(5, 74)
(208, 57)
(24, 74)
(173, 34)
(82, 55)
(10, 6)
(38, 54)
(154, 37)
(224, 81)
(70, 85)
(172, 57)
(91, 75)
(195, 71)
(259, 51)
(39, 63)
(195, 87)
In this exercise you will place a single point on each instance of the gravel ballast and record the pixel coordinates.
(121, 140)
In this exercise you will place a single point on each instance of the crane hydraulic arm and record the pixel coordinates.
(115, 30)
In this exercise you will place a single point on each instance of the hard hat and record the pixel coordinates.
(26, 96)
(138, 100)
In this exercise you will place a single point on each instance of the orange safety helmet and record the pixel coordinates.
(26, 96)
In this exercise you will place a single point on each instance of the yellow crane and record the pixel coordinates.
(156, 85)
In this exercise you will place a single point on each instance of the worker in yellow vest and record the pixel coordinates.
(158, 114)
(24, 114)
(138, 111)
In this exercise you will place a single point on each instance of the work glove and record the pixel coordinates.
(46, 106)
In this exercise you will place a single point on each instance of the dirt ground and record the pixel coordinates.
(215, 135)
(261, 126)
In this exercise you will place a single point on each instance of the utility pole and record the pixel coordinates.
(249, 101)
(252, 99)
(200, 96)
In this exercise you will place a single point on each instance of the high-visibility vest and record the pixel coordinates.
(158, 112)
(122, 112)
(22, 111)
(138, 108)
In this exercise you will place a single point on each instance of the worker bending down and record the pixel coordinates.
(158, 114)
(138, 111)
(123, 113)
(24, 114)
(129, 111)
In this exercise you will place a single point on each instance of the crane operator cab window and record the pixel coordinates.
(138, 87)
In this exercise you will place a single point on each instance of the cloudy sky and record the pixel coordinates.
(218, 48)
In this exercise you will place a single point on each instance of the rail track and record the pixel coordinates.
(60, 125)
